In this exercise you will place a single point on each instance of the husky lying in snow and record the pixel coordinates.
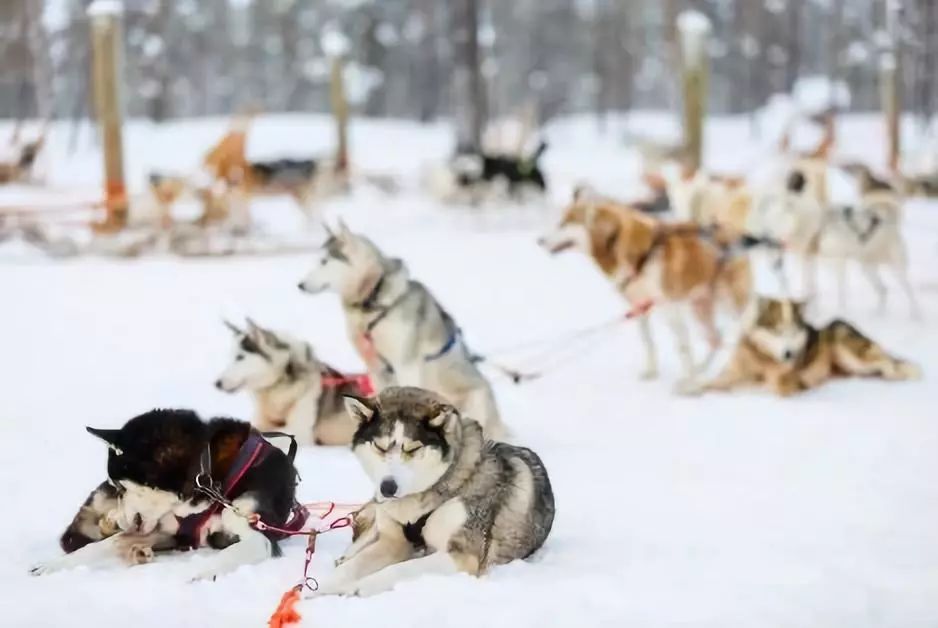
(867, 231)
(402, 333)
(778, 347)
(474, 177)
(446, 500)
(293, 391)
(151, 500)
(653, 263)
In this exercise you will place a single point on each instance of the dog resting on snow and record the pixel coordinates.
(447, 500)
(151, 500)
(402, 333)
(474, 177)
(293, 391)
(782, 350)
(667, 266)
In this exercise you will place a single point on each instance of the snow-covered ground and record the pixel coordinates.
(739, 510)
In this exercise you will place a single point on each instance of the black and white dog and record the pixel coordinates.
(177, 482)
(475, 176)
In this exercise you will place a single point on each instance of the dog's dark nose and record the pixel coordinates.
(388, 487)
(301, 286)
(218, 384)
(138, 521)
(788, 354)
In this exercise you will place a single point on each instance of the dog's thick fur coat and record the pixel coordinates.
(789, 355)
(447, 500)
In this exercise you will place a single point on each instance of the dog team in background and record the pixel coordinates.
(450, 495)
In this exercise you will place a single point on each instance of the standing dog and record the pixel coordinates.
(401, 332)
(867, 231)
(293, 391)
(778, 347)
(303, 179)
(446, 499)
(157, 465)
(655, 264)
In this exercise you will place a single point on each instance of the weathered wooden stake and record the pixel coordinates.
(694, 29)
(890, 87)
(340, 113)
(106, 65)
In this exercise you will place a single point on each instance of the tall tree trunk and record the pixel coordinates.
(469, 102)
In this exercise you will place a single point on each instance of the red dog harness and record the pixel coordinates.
(253, 452)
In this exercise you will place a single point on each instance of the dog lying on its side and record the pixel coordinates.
(293, 391)
(788, 354)
(447, 500)
(402, 333)
(151, 500)
(474, 177)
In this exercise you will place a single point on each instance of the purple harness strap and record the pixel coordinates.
(254, 450)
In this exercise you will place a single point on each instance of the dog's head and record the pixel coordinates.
(347, 263)
(261, 357)
(167, 188)
(150, 462)
(777, 328)
(405, 439)
(594, 225)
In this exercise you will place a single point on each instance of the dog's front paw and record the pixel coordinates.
(109, 524)
(139, 554)
(689, 387)
(648, 374)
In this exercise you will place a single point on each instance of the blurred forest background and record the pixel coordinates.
(407, 58)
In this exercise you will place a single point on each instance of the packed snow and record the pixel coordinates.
(734, 510)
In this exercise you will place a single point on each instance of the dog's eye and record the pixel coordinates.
(413, 449)
(323, 261)
(240, 356)
(379, 447)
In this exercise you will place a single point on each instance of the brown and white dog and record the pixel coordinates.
(304, 180)
(669, 266)
(783, 351)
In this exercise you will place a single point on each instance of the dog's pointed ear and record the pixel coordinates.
(444, 416)
(362, 409)
(343, 232)
(234, 328)
(110, 437)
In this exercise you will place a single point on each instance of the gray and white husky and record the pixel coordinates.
(446, 499)
(402, 333)
(293, 391)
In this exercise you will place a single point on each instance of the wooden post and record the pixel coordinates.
(890, 87)
(340, 113)
(694, 29)
(106, 64)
